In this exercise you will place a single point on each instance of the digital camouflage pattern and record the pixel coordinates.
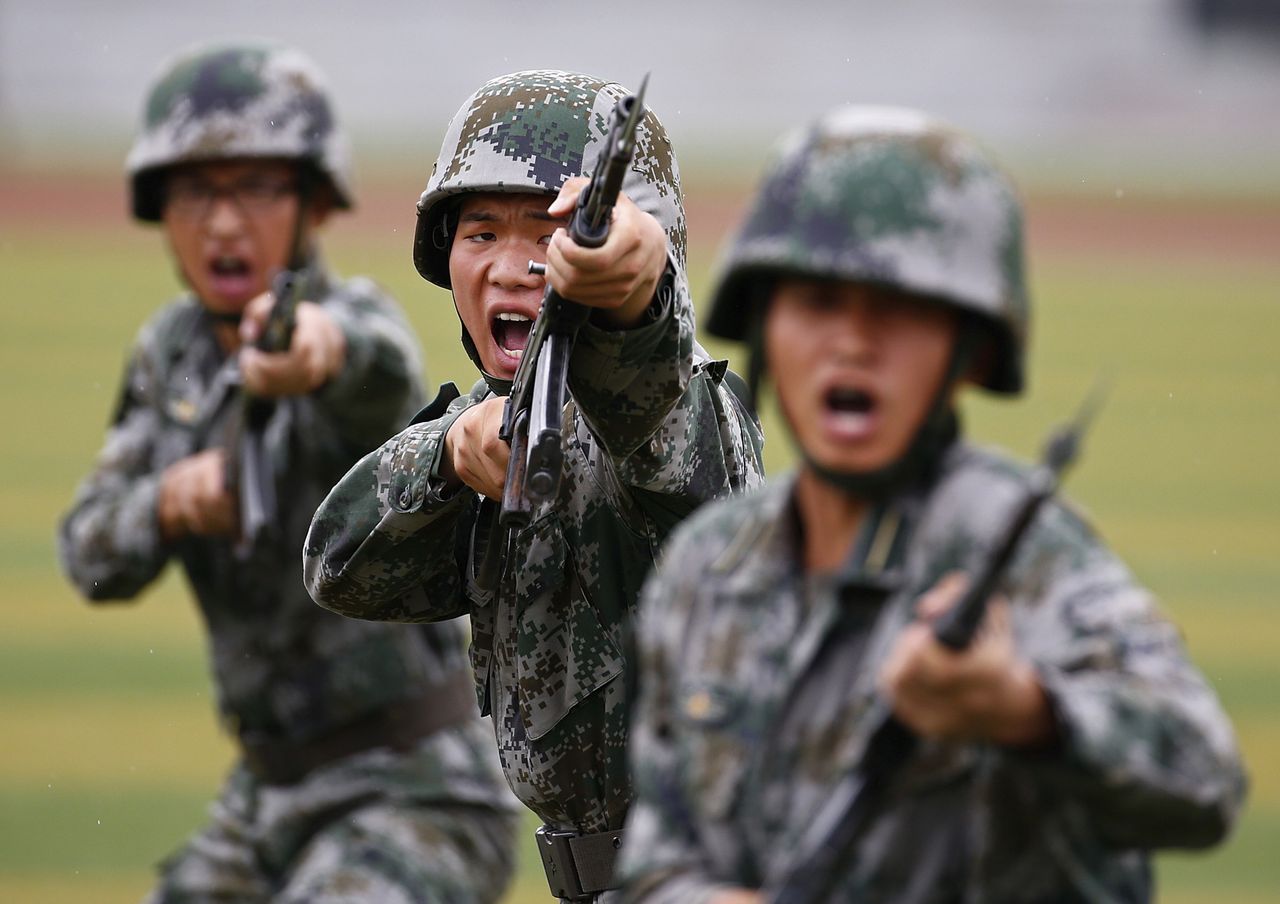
(653, 431)
(375, 827)
(528, 132)
(757, 682)
(888, 196)
(244, 100)
(284, 669)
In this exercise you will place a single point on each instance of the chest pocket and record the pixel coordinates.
(179, 408)
(563, 652)
(714, 718)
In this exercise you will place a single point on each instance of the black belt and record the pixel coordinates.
(400, 726)
(578, 866)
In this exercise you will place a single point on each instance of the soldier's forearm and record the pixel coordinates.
(110, 543)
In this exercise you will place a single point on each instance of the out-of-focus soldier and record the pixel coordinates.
(364, 771)
(879, 272)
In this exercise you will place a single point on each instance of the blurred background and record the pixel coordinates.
(1144, 133)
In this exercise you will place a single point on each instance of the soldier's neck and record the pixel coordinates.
(830, 521)
(227, 336)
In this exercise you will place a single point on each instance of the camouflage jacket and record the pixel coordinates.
(756, 681)
(284, 669)
(654, 431)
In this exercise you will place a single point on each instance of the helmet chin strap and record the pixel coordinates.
(442, 237)
(497, 385)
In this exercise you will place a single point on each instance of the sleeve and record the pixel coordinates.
(382, 544)
(1145, 747)
(662, 861)
(676, 431)
(381, 378)
(109, 542)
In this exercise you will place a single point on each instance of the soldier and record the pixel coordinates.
(364, 772)
(880, 269)
(653, 430)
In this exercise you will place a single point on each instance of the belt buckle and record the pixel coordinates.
(557, 862)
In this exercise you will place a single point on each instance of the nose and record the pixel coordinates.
(224, 216)
(510, 269)
(854, 329)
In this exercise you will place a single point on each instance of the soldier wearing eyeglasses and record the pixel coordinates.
(364, 771)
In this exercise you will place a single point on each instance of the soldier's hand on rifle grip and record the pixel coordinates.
(193, 498)
(618, 278)
(985, 692)
(474, 453)
(316, 354)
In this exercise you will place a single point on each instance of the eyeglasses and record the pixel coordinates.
(191, 197)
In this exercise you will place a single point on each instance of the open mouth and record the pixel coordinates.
(851, 415)
(229, 265)
(511, 332)
(232, 277)
(854, 402)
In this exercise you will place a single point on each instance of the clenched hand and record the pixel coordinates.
(473, 452)
(316, 353)
(194, 498)
(618, 278)
(986, 691)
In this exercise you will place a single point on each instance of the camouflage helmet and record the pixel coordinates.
(234, 101)
(527, 132)
(887, 196)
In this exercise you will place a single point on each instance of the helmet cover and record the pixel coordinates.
(236, 101)
(528, 132)
(891, 197)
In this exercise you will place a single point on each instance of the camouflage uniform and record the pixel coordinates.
(653, 431)
(758, 677)
(756, 682)
(365, 773)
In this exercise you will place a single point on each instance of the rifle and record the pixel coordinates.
(250, 474)
(532, 418)
(831, 836)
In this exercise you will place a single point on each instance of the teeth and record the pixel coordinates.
(511, 315)
(514, 352)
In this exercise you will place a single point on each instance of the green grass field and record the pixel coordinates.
(110, 750)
